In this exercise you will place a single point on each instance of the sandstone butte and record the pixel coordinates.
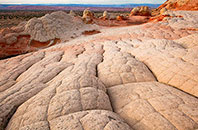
(141, 77)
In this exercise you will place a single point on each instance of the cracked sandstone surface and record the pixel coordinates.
(140, 78)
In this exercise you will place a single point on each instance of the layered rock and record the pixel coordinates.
(41, 32)
(163, 10)
(180, 5)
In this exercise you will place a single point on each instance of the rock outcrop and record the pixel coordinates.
(140, 78)
(105, 16)
(141, 11)
(41, 32)
(88, 16)
(56, 25)
(163, 10)
(180, 5)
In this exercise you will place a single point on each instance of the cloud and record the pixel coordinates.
(81, 1)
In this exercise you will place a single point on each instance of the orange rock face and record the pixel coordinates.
(120, 18)
(161, 17)
(91, 32)
(12, 44)
(18, 47)
(180, 5)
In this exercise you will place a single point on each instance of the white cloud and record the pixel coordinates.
(80, 1)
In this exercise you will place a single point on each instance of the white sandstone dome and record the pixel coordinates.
(56, 25)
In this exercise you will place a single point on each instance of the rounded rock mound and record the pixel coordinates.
(141, 11)
(55, 25)
(41, 32)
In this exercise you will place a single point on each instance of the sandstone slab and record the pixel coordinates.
(153, 105)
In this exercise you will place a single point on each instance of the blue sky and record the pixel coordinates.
(79, 1)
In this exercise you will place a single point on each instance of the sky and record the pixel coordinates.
(79, 1)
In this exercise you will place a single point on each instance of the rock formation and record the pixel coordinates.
(141, 11)
(120, 18)
(41, 32)
(180, 5)
(105, 16)
(152, 105)
(88, 16)
(142, 77)
(163, 10)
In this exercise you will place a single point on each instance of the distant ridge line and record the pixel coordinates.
(77, 7)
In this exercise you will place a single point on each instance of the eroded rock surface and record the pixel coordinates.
(181, 4)
(142, 11)
(121, 67)
(56, 25)
(153, 105)
(141, 77)
(41, 33)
